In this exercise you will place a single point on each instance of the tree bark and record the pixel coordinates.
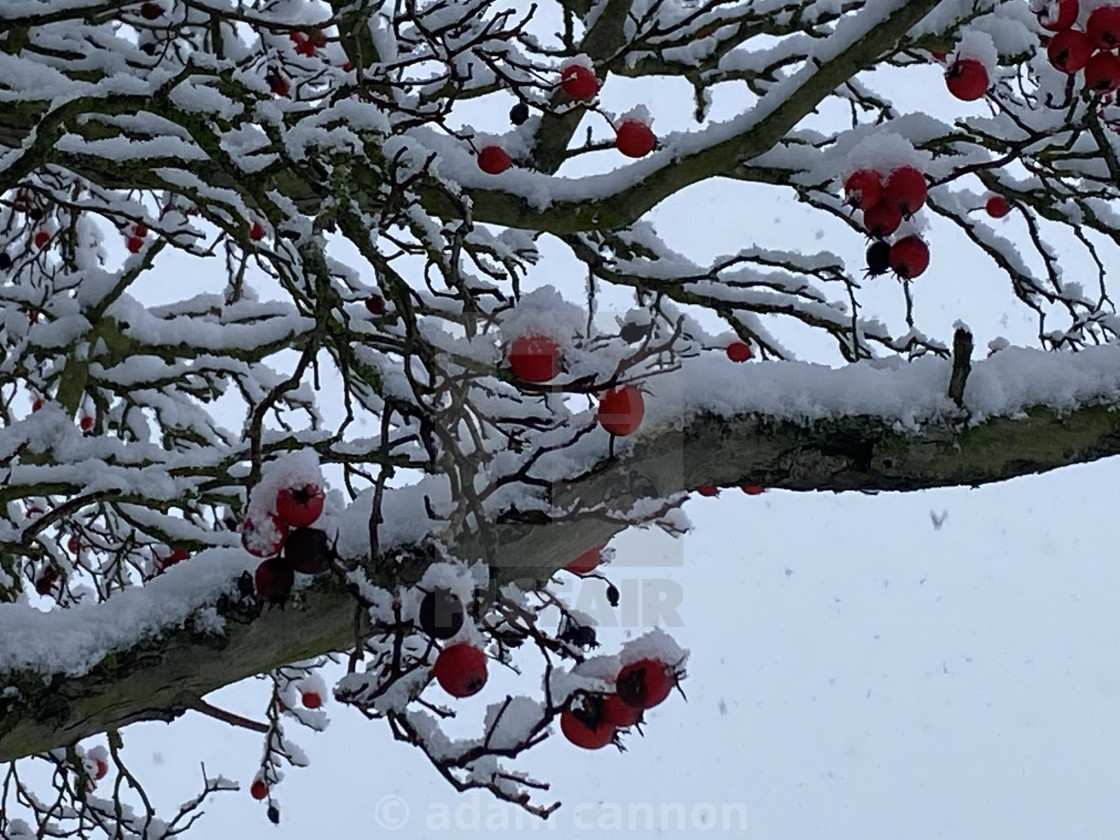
(155, 680)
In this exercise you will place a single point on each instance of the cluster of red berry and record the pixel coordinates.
(591, 720)
(885, 203)
(1072, 50)
(288, 529)
(632, 136)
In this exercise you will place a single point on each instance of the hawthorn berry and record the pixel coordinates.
(586, 562)
(151, 11)
(881, 220)
(278, 82)
(301, 505)
(752, 489)
(134, 244)
(621, 410)
(1102, 72)
(41, 238)
(493, 160)
(311, 699)
(72, 545)
(1103, 27)
(46, 581)
(258, 790)
(441, 613)
(738, 351)
(274, 580)
(85, 422)
(618, 714)
(579, 82)
(519, 113)
(967, 79)
(909, 257)
(634, 139)
(5, 261)
(100, 769)
(997, 206)
(461, 669)
(264, 542)
(1069, 50)
(140, 229)
(585, 732)
(1055, 15)
(534, 358)
(36, 403)
(304, 45)
(864, 189)
(35, 214)
(905, 191)
(375, 305)
(645, 683)
(256, 231)
(306, 550)
(177, 555)
(708, 490)
(878, 258)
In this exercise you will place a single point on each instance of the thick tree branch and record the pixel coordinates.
(157, 680)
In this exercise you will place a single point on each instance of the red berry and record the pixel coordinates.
(134, 244)
(41, 238)
(1069, 50)
(586, 562)
(621, 410)
(1056, 15)
(267, 541)
(85, 422)
(707, 490)
(1103, 27)
(864, 189)
(738, 351)
(909, 257)
(617, 713)
(177, 555)
(752, 489)
(645, 683)
(140, 229)
(258, 790)
(967, 79)
(905, 191)
(461, 669)
(311, 699)
(278, 82)
(151, 11)
(375, 305)
(493, 160)
(579, 82)
(299, 506)
(101, 768)
(881, 220)
(274, 579)
(256, 231)
(997, 206)
(634, 139)
(534, 358)
(583, 734)
(36, 403)
(304, 45)
(46, 581)
(73, 545)
(1102, 72)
